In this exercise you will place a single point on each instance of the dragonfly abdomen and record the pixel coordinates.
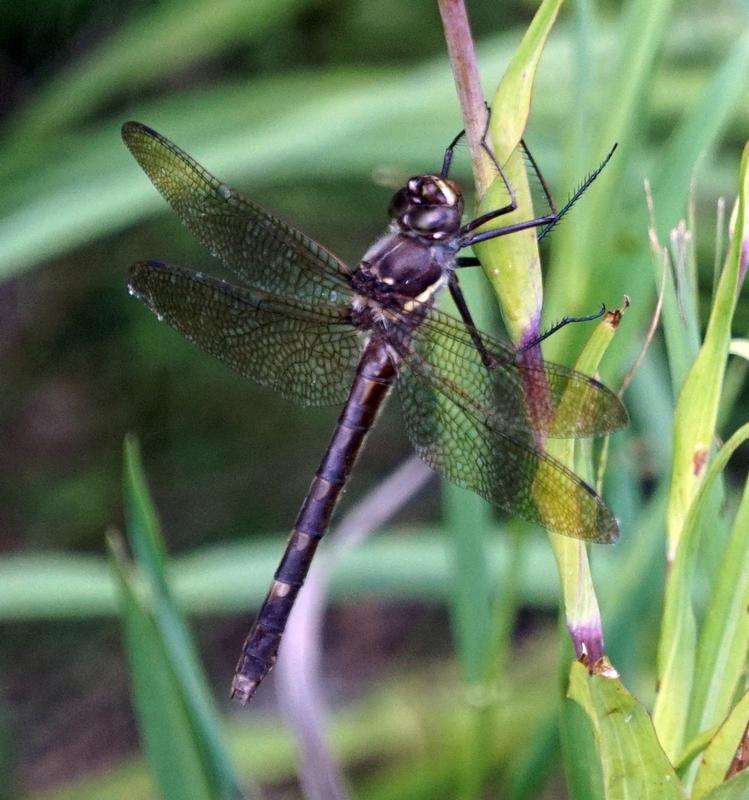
(374, 377)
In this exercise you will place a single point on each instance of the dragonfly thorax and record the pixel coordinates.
(428, 206)
(403, 266)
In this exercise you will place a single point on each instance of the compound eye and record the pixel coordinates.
(432, 194)
(400, 203)
(427, 220)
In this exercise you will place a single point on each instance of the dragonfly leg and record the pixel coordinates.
(559, 325)
(548, 221)
(449, 153)
(469, 241)
(581, 189)
(512, 205)
(466, 261)
(457, 295)
(539, 175)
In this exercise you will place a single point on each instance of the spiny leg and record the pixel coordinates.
(559, 325)
(547, 220)
(540, 176)
(581, 189)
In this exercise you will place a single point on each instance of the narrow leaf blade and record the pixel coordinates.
(164, 724)
(720, 752)
(633, 763)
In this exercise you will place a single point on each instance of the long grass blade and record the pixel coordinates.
(164, 666)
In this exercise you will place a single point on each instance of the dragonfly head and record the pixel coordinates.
(429, 206)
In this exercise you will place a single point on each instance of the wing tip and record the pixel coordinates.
(605, 526)
(139, 274)
(623, 419)
(608, 531)
(132, 129)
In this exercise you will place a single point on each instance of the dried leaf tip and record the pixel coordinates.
(614, 317)
(601, 667)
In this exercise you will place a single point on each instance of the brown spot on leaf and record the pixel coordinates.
(741, 757)
(699, 459)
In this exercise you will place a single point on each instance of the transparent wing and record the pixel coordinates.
(545, 397)
(470, 445)
(307, 352)
(266, 253)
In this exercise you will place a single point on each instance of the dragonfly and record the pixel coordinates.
(321, 332)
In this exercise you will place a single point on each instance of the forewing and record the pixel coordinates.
(307, 352)
(264, 251)
(548, 398)
(468, 444)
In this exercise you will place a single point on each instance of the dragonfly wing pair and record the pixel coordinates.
(481, 428)
(290, 328)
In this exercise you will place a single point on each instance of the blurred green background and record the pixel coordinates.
(316, 109)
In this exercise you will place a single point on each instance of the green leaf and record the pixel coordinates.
(511, 262)
(694, 429)
(580, 758)
(512, 100)
(169, 36)
(55, 586)
(406, 562)
(144, 532)
(699, 399)
(698, 132)
(724, 639)
(581, 608)
(693, 748)
(171, 693)
(676, 648)
(721, 750)
(640, 31)
(633, 763)
(580, 602)
(735, 789)
(165, 727)
(469, 524)
(681, 345)
(91, 177)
